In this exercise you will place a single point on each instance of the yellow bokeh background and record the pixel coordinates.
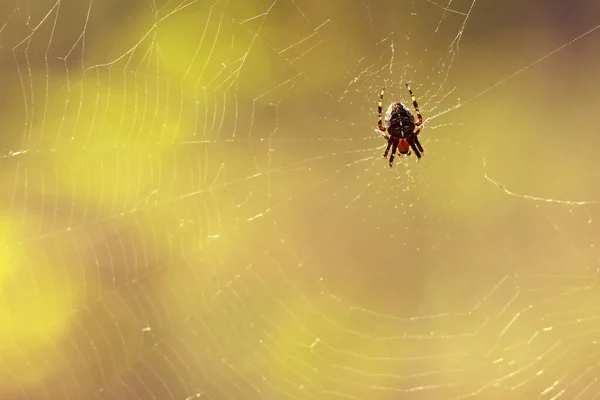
(195, 204)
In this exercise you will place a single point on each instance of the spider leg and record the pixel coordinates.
(382, 134)
(387, 149)
(394, 148)
(418, 130)
(380, 111)
(416, 149)
(416, 140)
(415, 104)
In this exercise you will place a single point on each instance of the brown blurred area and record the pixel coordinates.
(194, 202)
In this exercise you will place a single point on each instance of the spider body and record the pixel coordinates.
(401, 127)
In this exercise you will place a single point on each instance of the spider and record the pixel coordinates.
(400, 128)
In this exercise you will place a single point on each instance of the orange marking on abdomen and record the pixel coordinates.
(403, 146)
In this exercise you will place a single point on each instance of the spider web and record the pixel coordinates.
(195, 204)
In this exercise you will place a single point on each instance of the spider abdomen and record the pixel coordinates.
(399, 121)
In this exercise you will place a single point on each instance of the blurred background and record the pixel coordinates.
(195, 204)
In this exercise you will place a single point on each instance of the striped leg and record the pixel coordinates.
(387, 149)
(416, 106)
(416, 146)
(416, 140)
(380, 111)
(394, 148)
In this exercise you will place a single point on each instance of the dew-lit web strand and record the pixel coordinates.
(454, 45)
(318, 340)
(79, 42)
(518, 72)
(367, 337)
(536, 198)
(28, 127)
(130, 51)
(193, 61)
(547, 328)
(47, 94)
(453, 49)
(243, 61)
(294, 79)
(135, 118)
(133, 49)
